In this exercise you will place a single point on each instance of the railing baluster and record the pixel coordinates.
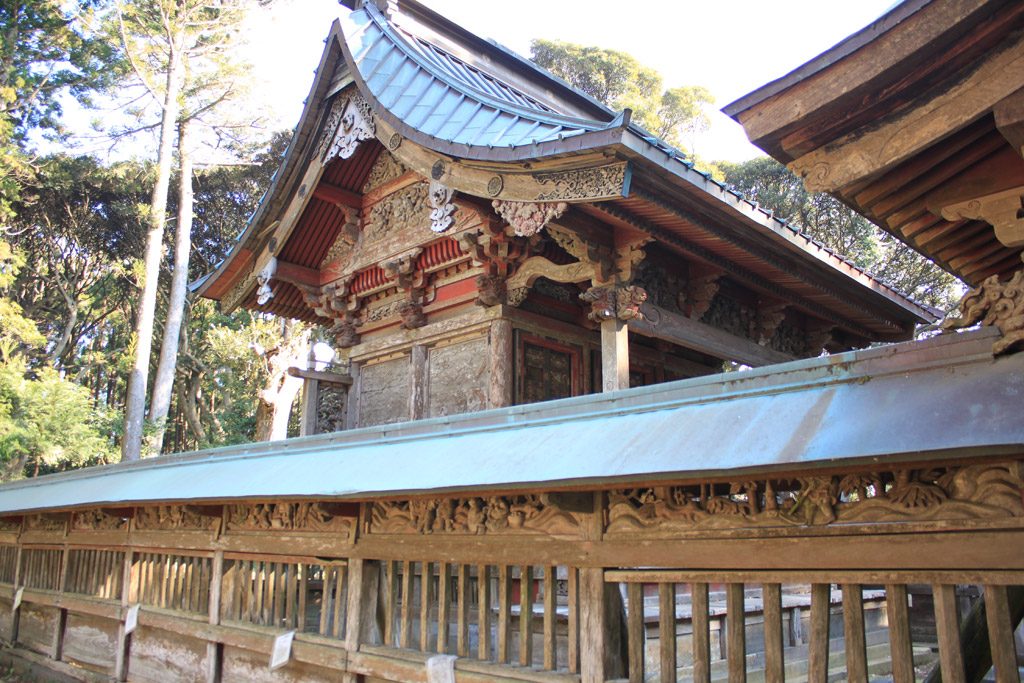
(899, 633)
(853, 632)
(504, 613)
(771, 594)
(426, 598)
(483, 590)
(635, 631)
(573, 621)
(339, 601)
(701, 633)
(406, 627)
(947, 624)
(736, 645)
(327, 576)
(1000, 634)
(817, 652)
(550, 612)
(667, 631)
(390, 599)
(444, 599)
(462, 633)
(525, 615)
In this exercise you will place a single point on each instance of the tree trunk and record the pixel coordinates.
(163, 384)
(135, 401)
(276, 398)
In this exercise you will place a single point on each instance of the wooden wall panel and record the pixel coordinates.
(384, 392)
(36, 627)
(459, 378)
(90, 642)
(158, 655)
(244, 666)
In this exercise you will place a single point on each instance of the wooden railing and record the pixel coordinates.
(911, 574)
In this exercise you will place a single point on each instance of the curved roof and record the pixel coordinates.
(440, 101)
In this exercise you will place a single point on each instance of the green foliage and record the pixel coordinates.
(774, 187)
(618, 80)
(48, 48)
(48, 424)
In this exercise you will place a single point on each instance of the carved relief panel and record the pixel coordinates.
(478, 516)
(976, 492)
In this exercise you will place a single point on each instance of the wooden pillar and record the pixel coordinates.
(310, 402)
(352, 404)
(593, 625)
(215, 651)
(500, 370)
(361, 609)
(614, 355)
(57, 645)
(124, 639)
(418, 383)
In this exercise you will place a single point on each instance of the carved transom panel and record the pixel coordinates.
(299, 517)
(473, 516)
(951, 493)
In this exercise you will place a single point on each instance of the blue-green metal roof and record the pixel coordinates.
(438, 95)
(942, 398)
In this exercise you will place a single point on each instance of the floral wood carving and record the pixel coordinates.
(171, 517)
(305, 517)
(386, 168)
(584, 183)
(700, 292)
(441, 207)
(346, 239)
(615, 301)
(97, 520)
(353, 126)
(995, 303)
(528, 218)
(10, 523)
(473, 516)
(939, 494)
(44, 523)
(406, 209)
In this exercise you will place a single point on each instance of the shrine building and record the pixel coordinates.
(595, 416)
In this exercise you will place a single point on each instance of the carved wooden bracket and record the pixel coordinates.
(615, 301)
(995, 303)
(346, 331)
(770, 315)
(537, 266)
(349, 123)
(441, 206)
(701, 289)
(264, 292)
(818, 337)
(600, 257)
(1003, 210)
(403, 269)
(528, 218)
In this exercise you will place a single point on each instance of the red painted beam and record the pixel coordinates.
(338, 195)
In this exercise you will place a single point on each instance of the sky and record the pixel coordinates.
(730, 47)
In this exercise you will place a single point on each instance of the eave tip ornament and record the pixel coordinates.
(995, 303)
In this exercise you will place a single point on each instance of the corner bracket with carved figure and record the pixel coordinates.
(995, 303)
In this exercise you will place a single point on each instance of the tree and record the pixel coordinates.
(47, 48)
(619, 81)
(176, 49)
(774, 187)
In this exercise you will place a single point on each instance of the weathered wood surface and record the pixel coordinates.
(212, 612)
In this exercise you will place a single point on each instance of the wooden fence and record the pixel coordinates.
(843, 575)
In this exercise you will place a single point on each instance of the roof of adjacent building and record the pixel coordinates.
(901, 120)
(942, 398)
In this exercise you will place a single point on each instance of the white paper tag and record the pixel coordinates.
(282, 650)
(441, 669)
(18, 595)
(131, 618)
